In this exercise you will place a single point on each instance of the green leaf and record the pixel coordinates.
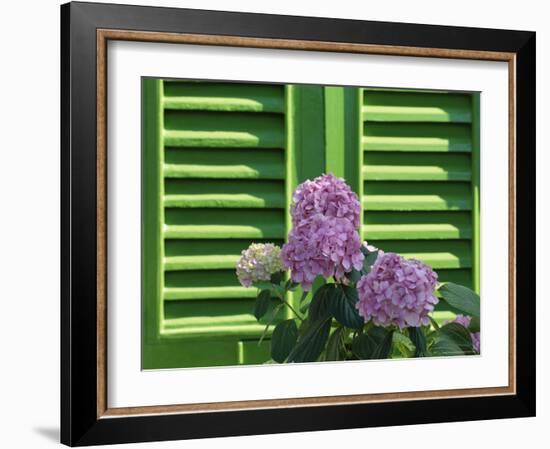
(321, 305)
(276, 278)
(403, 345)
(474, 324)
(263, 285)
(335, 346)
(262, 303)
(376, 343)
(304, 325)
(434, 323)
(311, 344)
(279, 291)
(291, 286)
(460, 335)
(354, 276)
(452, 339)
(283, 339)
(271, 318)
(343, 307)
(370, 258)
(419, 341)
(461, 298)
(445, 346)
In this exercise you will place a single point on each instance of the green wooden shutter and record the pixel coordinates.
(215, 180)
(220, 162)
(420, 173)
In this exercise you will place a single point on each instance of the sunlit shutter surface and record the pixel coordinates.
(222, 187)
(421, 178)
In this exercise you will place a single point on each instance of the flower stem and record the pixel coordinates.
(293, 310)
(281, 296)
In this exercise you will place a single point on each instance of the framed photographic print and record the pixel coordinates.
(276, 224)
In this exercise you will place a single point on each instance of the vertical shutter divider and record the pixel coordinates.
(476, 220)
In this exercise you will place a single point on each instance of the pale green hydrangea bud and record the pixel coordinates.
(258, 262)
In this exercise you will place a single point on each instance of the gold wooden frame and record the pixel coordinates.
(104, 35)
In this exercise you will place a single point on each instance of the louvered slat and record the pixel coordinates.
(224, 171)
(219, 97)
(417, 174)
(432, 107)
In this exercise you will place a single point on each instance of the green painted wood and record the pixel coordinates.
(219, 200)
(208, 293)
(233, 153)
(227, 139)
(213, 262)
(419, 178)
(476, 261)
(448, 255)
(152, 247)
(183, 329)
(308, 132)
(391, 166)
(197, 352)
(222, 129)
(416, 225)
(224, 193)
(224, 177)
(392, 106)
(224, 171)
(426, 202)
(224, 97)
(210, 247)
(418, 137)
(335, 130)
(342, 157)
(416, 231)
(252, 353)
(266, 230)
(414, 173)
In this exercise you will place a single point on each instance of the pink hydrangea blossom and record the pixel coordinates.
(322, 245)
(397, 292)
(476, 341)
(465, 321)
(327, 195)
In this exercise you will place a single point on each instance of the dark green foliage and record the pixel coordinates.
(376, 343)
(312, 342)
(343, 307)
(262, 303)
(418, 338)
(461, 298)
(336, 349)
(283, 340)
(452, 339)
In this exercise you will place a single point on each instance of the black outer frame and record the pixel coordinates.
(79, 422)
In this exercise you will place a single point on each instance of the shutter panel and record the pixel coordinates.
(222, 184)
(220, 162)
(420, 173)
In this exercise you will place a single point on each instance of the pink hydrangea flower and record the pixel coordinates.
(322, 245)
(258, 262)
(397, 292)
(326, 195)
(476, 341)
(465, 321)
